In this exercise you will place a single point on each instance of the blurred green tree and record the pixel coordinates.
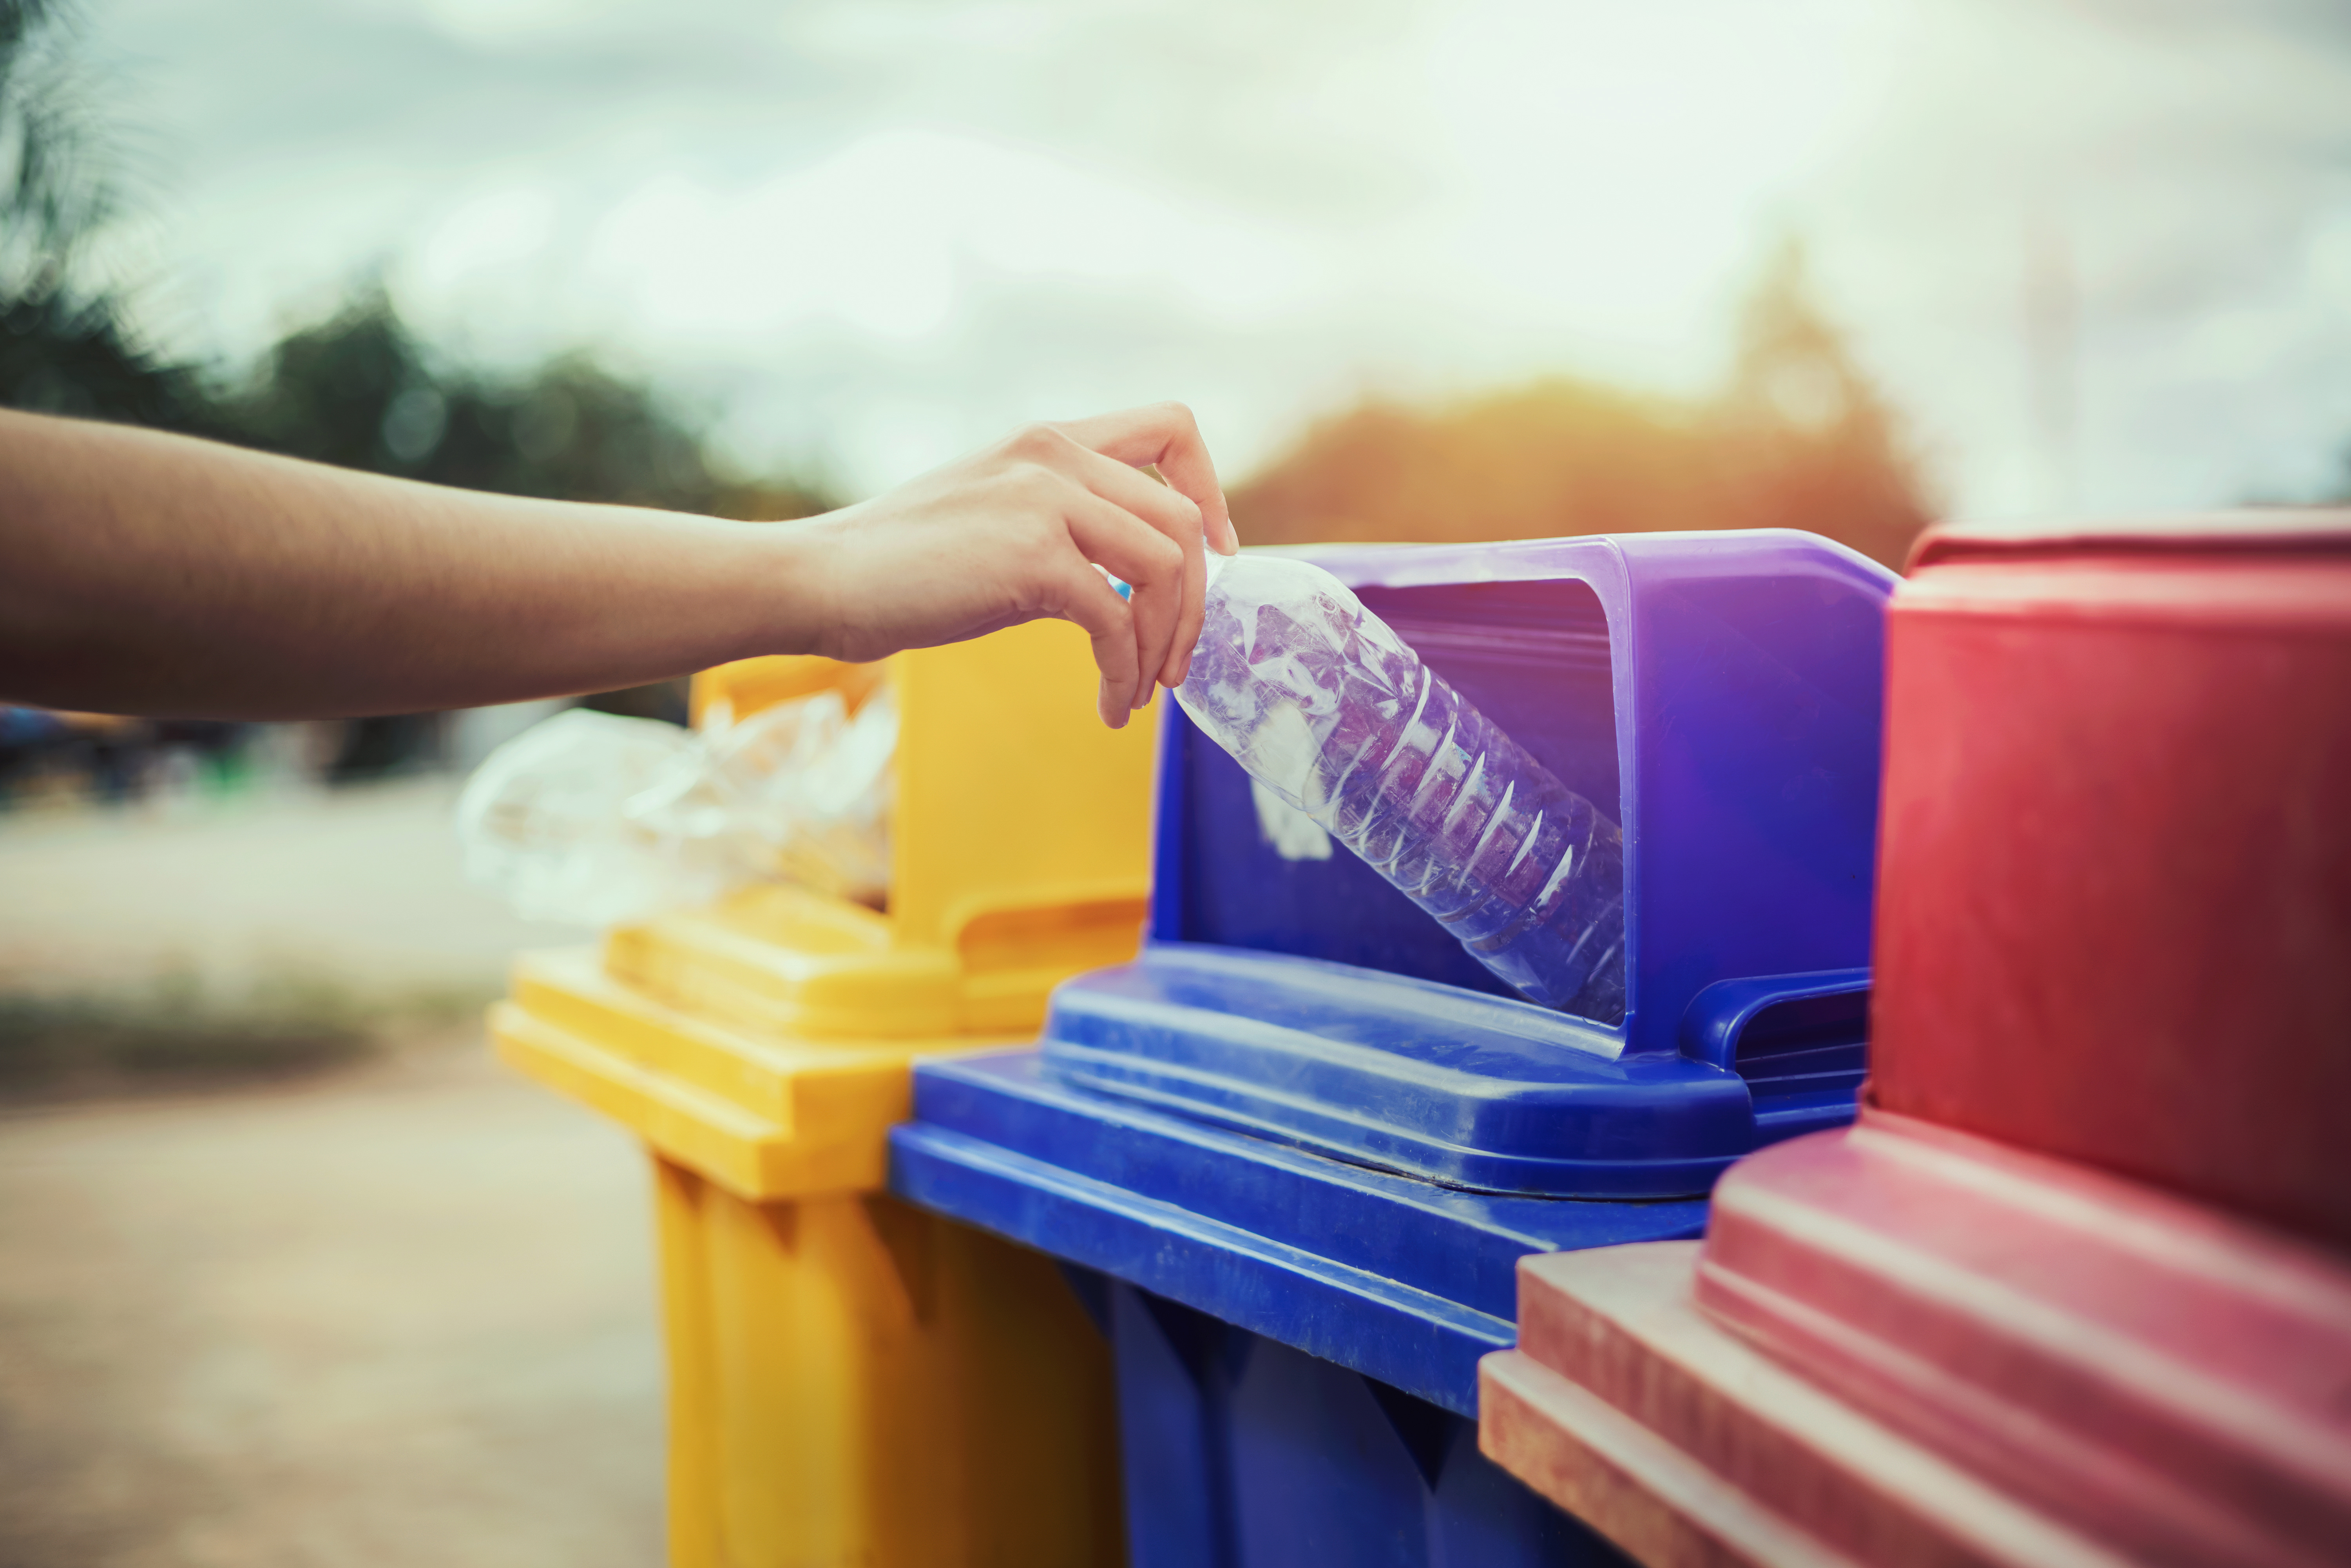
(64, 344)
(355, 389)
(358, 390)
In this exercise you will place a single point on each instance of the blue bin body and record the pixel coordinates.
(1297, 1459)
(1293, 1153)
(1297, 1339)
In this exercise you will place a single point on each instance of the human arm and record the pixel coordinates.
(155, 574)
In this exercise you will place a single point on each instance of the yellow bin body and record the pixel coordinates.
(852, 1380)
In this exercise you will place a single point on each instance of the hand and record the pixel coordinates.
(1014, 533)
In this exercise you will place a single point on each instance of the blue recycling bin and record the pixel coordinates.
(1292, 1154)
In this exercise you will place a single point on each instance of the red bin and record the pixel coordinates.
(2077, 1286)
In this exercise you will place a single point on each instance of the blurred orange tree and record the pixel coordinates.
(1799, 438)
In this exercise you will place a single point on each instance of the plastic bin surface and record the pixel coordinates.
(764, 1041)
(2112, 923)
(1456, 1086)
(1716, 694)
(851, 1379)
(1306, 1142)
(1903, 1344)
(2126, 939)
(1403, 1279)
(1241, 1450)
(1296, 1338)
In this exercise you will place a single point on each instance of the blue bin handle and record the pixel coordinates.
(1719, 1015)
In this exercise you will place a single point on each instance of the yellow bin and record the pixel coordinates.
(853, 1380)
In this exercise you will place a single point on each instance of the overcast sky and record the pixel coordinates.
(877, 232)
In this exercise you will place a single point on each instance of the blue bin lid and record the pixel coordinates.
(1716, 694)
(1402, 1280)
(1456, 1087)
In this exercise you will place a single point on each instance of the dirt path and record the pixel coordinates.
(401, 1315)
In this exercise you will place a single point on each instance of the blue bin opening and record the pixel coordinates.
(1716, 694)
(1532, 655)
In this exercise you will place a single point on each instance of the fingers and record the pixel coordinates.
(1095, 605)
(1164, 434)
(1153, 564)
(1179, 520)
(1151, 535)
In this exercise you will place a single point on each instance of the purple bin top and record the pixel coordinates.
(1717, 694)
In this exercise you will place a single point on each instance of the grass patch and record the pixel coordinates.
(172, 1035)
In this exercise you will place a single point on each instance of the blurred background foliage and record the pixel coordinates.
(64, 348)
(356, 387)
(1799, 438)
(1796, 436)
(358, 390)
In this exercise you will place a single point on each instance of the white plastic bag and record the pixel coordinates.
(591, 819)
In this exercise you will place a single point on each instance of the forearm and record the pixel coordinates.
(152, 574)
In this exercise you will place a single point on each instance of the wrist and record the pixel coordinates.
(789, 572)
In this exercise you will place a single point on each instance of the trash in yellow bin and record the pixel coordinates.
(853, 1380)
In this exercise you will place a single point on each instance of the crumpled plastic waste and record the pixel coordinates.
(591, 819)
(1335, 717)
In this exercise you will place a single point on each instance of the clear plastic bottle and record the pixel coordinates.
(1329, 708)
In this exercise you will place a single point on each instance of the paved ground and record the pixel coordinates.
(397, 1313)
(402, 1315)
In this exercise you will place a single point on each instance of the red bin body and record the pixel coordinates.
(2077, 1286)
(2115, 875)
